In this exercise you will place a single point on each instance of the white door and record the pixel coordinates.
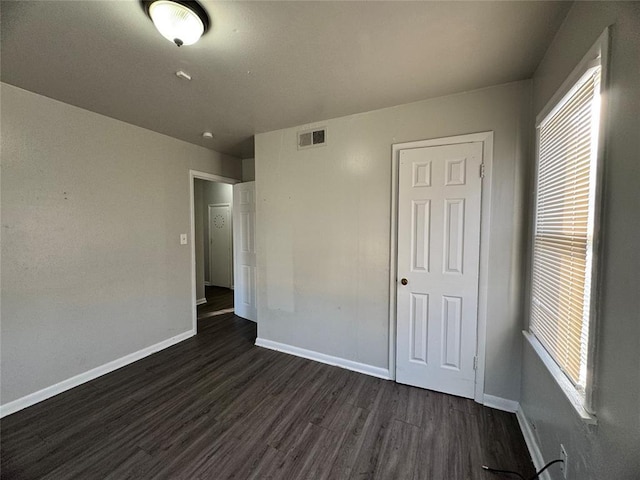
(439, 194)
(244, 220)
(220, 245)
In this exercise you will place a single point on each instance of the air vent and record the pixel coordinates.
(312, 138)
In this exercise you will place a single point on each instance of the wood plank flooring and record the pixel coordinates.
(218, 298)
(217, 407)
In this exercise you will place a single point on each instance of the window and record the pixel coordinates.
(566, 215)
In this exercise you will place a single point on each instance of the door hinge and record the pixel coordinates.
(475, 363)
(482, 170)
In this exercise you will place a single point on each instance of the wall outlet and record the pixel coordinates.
(565, 461)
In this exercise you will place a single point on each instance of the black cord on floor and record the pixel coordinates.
(507, 472)
(510, 472)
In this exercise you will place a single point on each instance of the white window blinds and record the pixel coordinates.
(564, 219)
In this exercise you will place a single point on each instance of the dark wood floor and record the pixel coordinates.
(217, 407)
(218, 298)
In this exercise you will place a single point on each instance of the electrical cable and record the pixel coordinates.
(510, 472)
(507, 472)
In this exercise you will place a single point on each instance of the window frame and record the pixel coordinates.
(584, 404)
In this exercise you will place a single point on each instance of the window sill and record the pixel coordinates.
(574, 397)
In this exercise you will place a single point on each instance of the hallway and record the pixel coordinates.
(219, 300)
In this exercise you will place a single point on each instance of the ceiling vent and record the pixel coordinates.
(312, 138)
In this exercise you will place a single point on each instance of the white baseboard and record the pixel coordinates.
(200, 301)
(323, 358)
(48, 392)
(532, 444)
(500, 403)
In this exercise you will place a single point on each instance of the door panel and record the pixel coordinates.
(454, 235)
(244, 219)
(439, 195)
(419, 326)
(452, 331)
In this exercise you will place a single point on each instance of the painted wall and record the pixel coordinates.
(248, 169)
(323, 228)
(610, 449)
(92, 266)
(213, 193)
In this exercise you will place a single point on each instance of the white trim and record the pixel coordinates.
(500, 403)
(532, 445)
(193, 174)
(485, 240)
(596, 262)
(201, 301)
(323, 358)
(48, 392)
(575, 398)
(586, 407)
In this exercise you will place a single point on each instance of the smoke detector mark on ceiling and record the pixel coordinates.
(312, 138)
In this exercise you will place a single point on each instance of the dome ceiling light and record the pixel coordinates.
(182, 22)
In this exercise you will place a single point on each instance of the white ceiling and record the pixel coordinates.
(268, 65)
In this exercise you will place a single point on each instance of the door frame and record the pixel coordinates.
(193, 174)
(485, 233)
(230, 239)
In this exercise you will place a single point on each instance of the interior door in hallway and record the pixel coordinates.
(220, 245)
(244, 220)
(439, 195)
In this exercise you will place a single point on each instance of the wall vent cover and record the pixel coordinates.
(312, 138)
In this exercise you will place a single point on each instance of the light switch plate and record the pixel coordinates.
(183, 239)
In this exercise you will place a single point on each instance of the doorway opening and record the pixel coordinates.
(212, 245)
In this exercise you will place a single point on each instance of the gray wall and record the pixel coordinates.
(610, 449)
(323, 228)
(248, 169)
(92, 266)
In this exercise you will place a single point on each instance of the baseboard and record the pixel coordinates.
(200, 301)
(500, 403)
(323, 358)
(208, 284)
(48, 392)
(532, 444)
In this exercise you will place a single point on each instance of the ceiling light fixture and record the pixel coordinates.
(182, 22)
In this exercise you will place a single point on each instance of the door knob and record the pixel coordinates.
(404, 281)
